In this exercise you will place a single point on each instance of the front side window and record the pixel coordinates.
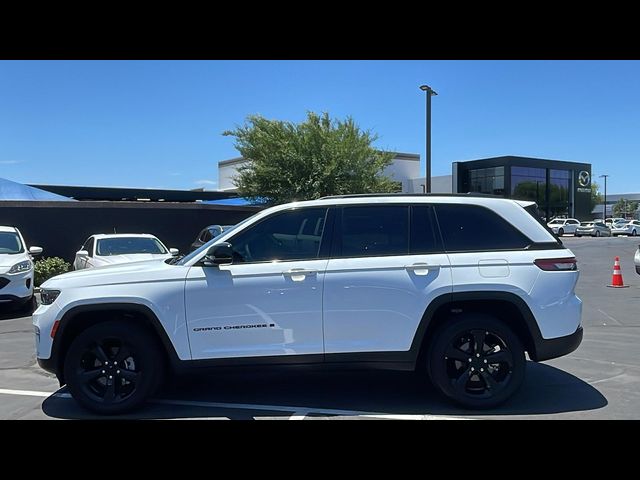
(475, 228)
(10, 243)
(129, 245)
(292, 235)
(374, 231)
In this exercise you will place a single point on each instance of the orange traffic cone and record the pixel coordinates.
(616, 277)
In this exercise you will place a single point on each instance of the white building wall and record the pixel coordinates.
(226, 173)
(439, 184)
(403, 168)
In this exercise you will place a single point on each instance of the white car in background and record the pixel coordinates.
(560, 226)
(16, 267)
(109, 249)
(631, 227)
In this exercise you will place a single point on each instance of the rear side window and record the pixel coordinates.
(424, 236)
(375, 231)
(474, 228)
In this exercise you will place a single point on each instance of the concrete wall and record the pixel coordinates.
(62, 227)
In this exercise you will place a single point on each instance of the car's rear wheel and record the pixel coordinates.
(560, 232)
(476, 361)
(113, 367)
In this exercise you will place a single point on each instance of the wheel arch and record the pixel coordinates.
(81, 317)
(507, 307)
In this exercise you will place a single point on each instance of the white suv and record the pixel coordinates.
(457, 287)
(16, 268)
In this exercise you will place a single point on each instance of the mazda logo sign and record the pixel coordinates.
(584, 178)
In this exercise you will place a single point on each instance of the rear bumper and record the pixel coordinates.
(546, 349)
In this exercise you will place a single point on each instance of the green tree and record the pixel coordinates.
(624, 207)
(596, 196)
(318, 157)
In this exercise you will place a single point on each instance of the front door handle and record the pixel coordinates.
(420, 268)
(299, 274)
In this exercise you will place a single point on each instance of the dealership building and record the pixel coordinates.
(560, 188)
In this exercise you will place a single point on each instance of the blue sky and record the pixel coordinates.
(160, 123)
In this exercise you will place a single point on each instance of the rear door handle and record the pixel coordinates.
(299, 274)
(420, 268)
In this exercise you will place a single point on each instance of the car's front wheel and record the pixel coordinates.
(113, 367)
(560, 232)
(597, 234)
(476, 361)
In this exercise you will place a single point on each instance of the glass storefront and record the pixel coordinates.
(529, 183)
(487, 180)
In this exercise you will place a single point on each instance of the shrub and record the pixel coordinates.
(46, 268)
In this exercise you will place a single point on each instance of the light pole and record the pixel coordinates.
(604, 217)
(430, 93)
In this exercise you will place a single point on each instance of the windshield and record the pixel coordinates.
(129, 245)
(555, 222)
(10, 243)
(206, 246)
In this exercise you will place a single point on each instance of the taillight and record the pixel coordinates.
(557, 264)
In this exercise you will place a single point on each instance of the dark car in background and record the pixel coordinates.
(207, 234)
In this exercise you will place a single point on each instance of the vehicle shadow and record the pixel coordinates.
(9, 313)
(547, 390)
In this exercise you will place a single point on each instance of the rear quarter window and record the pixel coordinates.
(473, 228)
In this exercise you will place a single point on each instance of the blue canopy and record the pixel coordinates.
(17, 191)
(238, 201)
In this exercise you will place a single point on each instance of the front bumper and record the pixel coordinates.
(16, 288)
(546, 349)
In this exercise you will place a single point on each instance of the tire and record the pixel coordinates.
(634, 233)
(453, 377)
(597, 234)
(560, 232)
(85, 363)
(575, 234)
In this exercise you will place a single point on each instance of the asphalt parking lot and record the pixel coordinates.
(600, 380)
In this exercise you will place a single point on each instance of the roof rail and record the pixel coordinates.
(364, 195)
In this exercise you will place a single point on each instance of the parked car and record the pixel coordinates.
(16, 268)
(560, 226)
(595, 229)
(457, 288)
(208, 233)
(636, 260)
(631, 227)
(109, 249)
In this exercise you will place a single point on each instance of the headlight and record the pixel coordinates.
(21, 267)
(47, 297)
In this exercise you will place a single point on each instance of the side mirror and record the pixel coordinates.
(82, 253)
(220, 254)
(35, 250)
(174, 251)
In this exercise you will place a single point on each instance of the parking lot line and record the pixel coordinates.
(27, 393)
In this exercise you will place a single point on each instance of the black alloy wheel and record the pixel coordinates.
(477, 361)
(113, 367)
